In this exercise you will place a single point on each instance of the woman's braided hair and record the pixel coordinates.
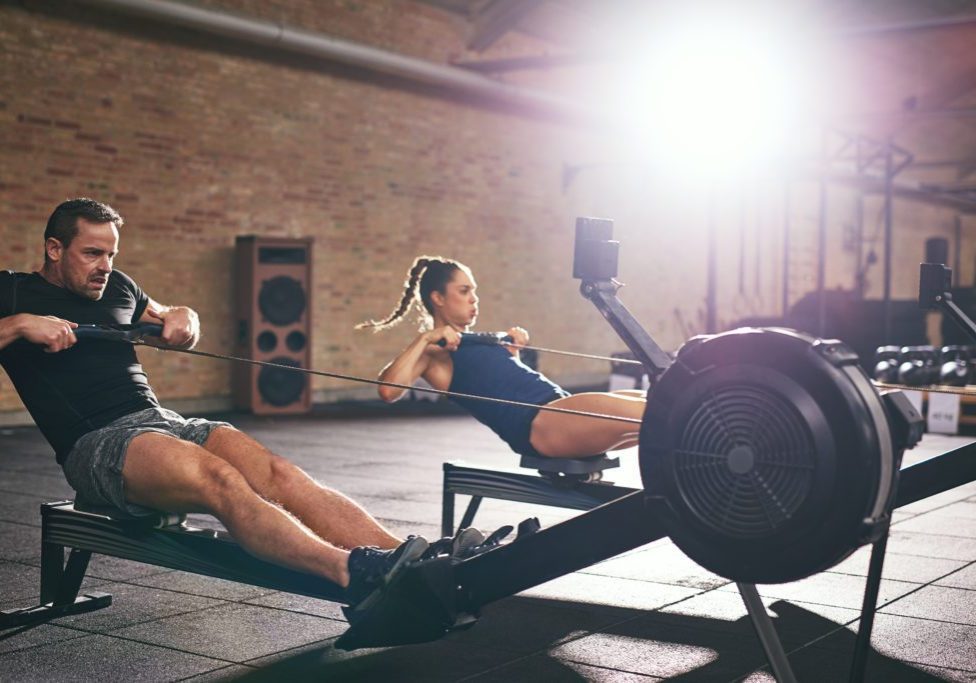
(427, 274)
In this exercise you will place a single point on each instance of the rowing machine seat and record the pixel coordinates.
(570, 470)
(153, 519)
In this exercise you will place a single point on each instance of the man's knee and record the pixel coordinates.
(283, 475)
(220, 487)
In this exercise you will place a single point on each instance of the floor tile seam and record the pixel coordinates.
(293, 611)
(18, 523)
(659, 583)
(649, 677)
(164, 646)
(240, 601)
(130, 580)
(587, 571)
(46, 499)
(15, 521)
(935, 509)
(57, 476)
(903, 660)
(411, 522)
(80, 634)
(213, 671)
(969, 564)
(916, 590)
(627, 620)
(142, 622)
(851, 622)
(586, 634)
(932, 534)
(930, 556)
(929, 619)
(517, 660)
(286, 650)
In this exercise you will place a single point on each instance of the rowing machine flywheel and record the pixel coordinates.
(768, 454)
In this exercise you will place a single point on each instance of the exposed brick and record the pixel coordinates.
(196, 146)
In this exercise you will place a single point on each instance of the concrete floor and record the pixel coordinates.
(650, 614)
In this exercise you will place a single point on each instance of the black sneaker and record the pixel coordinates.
(371, 568)
(527, 527)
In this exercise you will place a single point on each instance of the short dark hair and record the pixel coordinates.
(63, 223)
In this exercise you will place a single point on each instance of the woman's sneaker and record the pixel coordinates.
(371, 568)
(452, 546)
(493, 540)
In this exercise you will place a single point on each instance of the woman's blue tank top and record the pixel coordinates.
(490, 370)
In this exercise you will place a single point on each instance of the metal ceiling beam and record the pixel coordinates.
(944, 163)
(905, 189)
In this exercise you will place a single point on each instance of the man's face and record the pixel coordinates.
(460, 301)
(84, 266)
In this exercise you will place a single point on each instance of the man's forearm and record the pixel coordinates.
(11, 329)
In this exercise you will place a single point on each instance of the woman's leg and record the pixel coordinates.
(559, 435)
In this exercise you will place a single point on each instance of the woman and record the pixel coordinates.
(445, 292)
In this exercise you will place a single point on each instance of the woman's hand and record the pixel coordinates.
(519, 335)
(450, 336)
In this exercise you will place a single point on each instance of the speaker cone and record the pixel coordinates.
(278, 386)
(281, 300)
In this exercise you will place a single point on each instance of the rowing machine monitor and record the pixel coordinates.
(595, 252)
(595, 263)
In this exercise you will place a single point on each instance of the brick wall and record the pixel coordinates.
(196, 140)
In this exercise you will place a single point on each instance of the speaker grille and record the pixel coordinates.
(278, 386)
(281, 300)
(745, 461)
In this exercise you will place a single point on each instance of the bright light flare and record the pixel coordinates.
(713, 96)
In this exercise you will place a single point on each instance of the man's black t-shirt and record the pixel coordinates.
(86, 387)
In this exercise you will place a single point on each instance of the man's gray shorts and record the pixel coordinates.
(93, 467)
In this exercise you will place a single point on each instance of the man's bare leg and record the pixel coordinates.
(327, 512)
(558, 435)
(166, 473)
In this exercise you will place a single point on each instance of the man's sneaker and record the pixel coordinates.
(371, 568)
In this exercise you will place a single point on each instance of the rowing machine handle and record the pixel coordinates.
(486, 338)
(129, 333)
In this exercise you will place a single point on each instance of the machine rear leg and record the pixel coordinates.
(60, 584)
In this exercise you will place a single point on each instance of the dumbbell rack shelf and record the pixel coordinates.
(967, 405)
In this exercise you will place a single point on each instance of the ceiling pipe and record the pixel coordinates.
(273, 35)
(905, 26)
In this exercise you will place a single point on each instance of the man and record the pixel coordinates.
(118, 447)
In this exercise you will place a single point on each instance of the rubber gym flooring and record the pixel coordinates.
(650, 614)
